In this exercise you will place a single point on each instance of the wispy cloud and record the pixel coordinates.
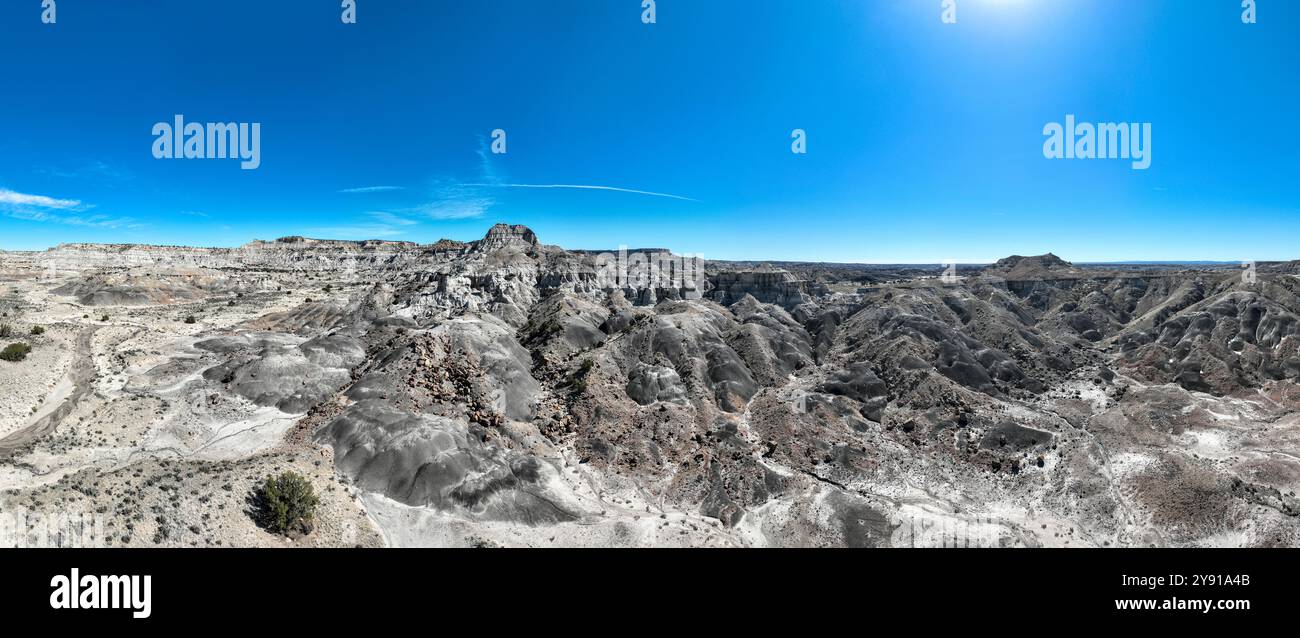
(382, 225)
(92, 221)
(355, 231)
(453, 200)
(69, 212)
(371, 189)
(486, 166)
(23, 199)
(586, 187)
(96, 171)
(391, 219)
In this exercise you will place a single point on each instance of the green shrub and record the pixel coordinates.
(104, 318)
(190, 319)
(6, 331)
(285, 504)
(15, 352)
(38, 330)
(578, 379)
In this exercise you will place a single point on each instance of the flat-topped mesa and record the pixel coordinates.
(91, 247)
(1048, 261)
(297, 242)
(1049, 267)
(80, 256)
(446, 245)
(502, 235)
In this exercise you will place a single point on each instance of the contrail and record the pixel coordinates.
(371, 189)
(585, 187)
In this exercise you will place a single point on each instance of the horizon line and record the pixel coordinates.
(1082, 262)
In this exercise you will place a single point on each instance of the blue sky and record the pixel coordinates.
(924, 139)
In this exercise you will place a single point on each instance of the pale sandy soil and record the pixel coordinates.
(148, 453)
(37, 382)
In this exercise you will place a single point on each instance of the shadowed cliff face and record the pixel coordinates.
(507, 382)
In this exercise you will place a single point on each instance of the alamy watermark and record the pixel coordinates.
(934, 530)
(93, 591)
(1106, 140)
(62, 528)
(213, 140)
(949, 275)
(948, 11)
(649, 270)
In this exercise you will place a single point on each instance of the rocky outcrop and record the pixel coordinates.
(773, 286)
(503, 235)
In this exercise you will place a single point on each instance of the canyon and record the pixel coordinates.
(505, 393)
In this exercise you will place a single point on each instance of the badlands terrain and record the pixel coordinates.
(507, 393)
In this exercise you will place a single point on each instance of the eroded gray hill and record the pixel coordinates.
(509, 390)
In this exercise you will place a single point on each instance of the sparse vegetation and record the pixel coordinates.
(578, 379)
(285, 504)
(15, 352)
(6, 331)
(38, 330)
(191, 319)
(104, 318)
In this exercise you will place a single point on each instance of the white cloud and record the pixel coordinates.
(455, 209)
(40, 201)
(69, 212)
(385, 225)
(391, 219)
(453, 200)
(94, 221)
(371, 189)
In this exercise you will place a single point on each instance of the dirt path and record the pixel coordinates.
(82, 376)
